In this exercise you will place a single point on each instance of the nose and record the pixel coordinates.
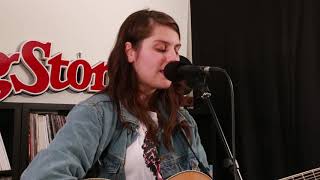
(172, 55)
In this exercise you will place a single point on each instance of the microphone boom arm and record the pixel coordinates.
(204, 90)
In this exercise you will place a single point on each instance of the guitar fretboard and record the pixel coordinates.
(307, 175)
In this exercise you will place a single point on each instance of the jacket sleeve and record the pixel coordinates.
(196, 141)
(74, 149)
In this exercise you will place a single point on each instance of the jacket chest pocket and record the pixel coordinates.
(171, 165)
(111, 167)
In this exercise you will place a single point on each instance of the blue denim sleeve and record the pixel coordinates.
(196, 141)
(73, 150)
(200, 149)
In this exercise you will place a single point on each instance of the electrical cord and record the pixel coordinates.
(206, 95)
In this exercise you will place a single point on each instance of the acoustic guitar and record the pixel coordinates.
(184, 175)
(190, 175)
(307, 175)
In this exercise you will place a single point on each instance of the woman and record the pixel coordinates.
(136, 128)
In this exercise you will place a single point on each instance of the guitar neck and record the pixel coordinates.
(307, 175)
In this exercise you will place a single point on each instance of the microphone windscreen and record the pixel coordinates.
(185, 60)
(171, 71)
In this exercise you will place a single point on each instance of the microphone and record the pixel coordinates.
(183, 70)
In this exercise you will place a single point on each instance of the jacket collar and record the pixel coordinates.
(163, 112)
(127, 116)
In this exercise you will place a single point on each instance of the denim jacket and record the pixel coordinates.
(92, 128)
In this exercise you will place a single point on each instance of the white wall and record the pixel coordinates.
(72, 26)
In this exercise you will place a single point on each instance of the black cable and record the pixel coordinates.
(201, 166)
(233, 129)
(236, 171)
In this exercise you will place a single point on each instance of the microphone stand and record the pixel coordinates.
(204, 90)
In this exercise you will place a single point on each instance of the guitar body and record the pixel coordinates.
(184, 175)
(190, 175)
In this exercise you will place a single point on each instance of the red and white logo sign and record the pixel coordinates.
(48, 74)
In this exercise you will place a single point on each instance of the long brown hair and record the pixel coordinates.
(123, 81)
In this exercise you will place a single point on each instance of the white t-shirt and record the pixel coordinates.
(135, 167)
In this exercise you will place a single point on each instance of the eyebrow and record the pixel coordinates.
(166, 42)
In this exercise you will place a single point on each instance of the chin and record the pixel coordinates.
(165, 85)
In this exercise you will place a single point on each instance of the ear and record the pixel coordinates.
(130, 51)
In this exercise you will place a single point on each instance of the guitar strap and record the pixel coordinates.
(151, 157)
